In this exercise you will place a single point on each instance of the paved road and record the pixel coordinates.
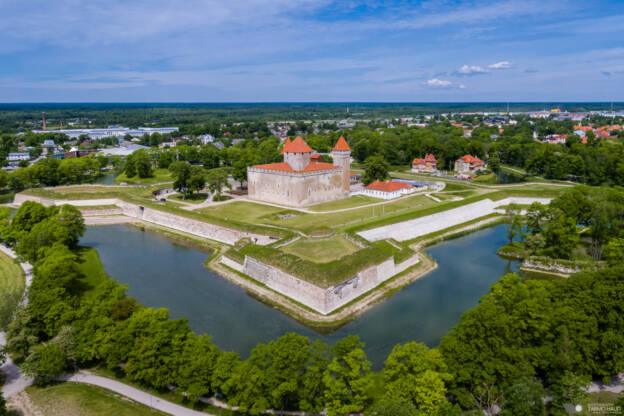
(132, 393)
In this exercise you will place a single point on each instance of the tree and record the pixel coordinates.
(535, 216)
(417, 375)
(534, 242)
(524, 398)
(197, 180)
(348, 378)
(376, 169)
(614, 252)
(569, 390)
(391, 408)
(217, 179)
(196, 366)
(130, 167)
(494, 163)
(240, 172)
(143, 163)
(513, 224)
(182, 173)
(45, 363)
(561, 234)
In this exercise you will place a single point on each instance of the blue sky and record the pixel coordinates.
(303, 50)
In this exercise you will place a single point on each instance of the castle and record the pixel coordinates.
(302, 179)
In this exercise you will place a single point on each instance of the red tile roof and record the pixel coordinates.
(285, 167)
(341, 145)
(286, 143)
(428, 158)
(388, 186)
(317, 157)
(472, 160)
(297, 146)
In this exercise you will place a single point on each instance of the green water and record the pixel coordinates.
(164, 274)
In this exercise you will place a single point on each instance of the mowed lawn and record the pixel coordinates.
(241, 211)
(353, 201)
(11, 287)
(321, 250)
(71, 399)
(311, 222)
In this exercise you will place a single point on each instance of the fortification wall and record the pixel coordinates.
(297, 190)
(320, 299)
(166, 219)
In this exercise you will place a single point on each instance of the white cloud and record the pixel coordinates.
(471, 70)
(462, 87)
(500, 65)
(438, 83)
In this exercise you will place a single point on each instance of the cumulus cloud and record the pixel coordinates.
(462, 87)
(471, 70)
(500, 65)
(438, 83)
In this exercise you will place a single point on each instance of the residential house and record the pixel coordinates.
(428, 164)
(469, 164)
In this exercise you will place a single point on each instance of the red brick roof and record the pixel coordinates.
(285, 167)
(388, 186)
(286, 143)
(341, 145)
(297, 146)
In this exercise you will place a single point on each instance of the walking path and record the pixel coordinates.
(135, 394)
(15, 380)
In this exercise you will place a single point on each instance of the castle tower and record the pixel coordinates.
(341, 153)
(297, 154)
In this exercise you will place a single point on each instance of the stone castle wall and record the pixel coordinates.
(166, 219)
(320, 299)
(295, 189)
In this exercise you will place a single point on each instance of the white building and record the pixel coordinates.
(388, 189)
(111, 131)
(16, 157)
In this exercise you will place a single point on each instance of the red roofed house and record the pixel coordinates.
(428, 164)
(388, 189)
(301, 179)
(469, 164)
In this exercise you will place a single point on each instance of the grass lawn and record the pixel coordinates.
(159, 175)
(11, 287)
(321, 250)
(241, 210)
(311, 222)
(488, 179)
(354, 201)
(91, 266)
(72, 399)
(192, 199)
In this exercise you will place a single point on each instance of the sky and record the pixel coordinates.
(311, 51)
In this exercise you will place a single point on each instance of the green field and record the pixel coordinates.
(11, 287)
(321, 250)
(241, 211)
(71, 399)
(159, 176)
(354, 201)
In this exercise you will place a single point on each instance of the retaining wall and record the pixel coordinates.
(166, 219)
(418, 227)
(323, 300)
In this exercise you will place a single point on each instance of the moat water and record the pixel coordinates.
(161, 273)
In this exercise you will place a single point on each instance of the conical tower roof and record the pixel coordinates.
(341, 145)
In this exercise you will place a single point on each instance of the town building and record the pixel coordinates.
(111, 131)
(388, 189)
(469, 164)
(16, 157)
(428, 164)
(299, 180)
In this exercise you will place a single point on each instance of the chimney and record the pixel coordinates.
(61, 126)
(43, 120)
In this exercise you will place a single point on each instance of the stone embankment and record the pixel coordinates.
(418, 227)
(322, 300)
(155, 216)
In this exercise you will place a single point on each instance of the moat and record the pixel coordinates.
(161, 273)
